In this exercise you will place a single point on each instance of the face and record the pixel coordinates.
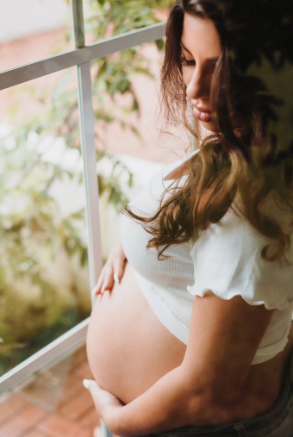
(201, 48)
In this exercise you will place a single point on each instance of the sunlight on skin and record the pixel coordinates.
(198, 64)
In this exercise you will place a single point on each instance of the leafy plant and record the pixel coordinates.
(113, 74)
(35, 239)
(35, 306)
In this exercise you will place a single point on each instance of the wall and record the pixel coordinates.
(21, 18)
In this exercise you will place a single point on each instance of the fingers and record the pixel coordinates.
(108, 279)
(99, 285)
(113, 271)
(105, 281)
(93, 388)
(90, 384)
(99, 288)
(118, 270)
(86, 383)
(116, 278)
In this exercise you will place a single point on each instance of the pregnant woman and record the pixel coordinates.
(191, 330)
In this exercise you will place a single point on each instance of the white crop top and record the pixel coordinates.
(225, 259)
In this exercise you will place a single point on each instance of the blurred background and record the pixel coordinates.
(44, 278)
(44, 274)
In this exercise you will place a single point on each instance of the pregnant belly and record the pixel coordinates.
(128, 347)
(129, 350)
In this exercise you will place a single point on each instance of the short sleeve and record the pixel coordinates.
(227, 260)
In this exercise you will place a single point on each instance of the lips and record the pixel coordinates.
(202, 114)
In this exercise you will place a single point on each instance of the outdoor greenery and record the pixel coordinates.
(36, 306)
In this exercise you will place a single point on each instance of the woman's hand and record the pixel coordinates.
(107, 405)
(112, 271)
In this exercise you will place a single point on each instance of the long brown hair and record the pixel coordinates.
(250, 155)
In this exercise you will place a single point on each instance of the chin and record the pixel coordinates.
(207, 128)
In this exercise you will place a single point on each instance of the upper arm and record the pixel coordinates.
(223, 339)
(235, 294)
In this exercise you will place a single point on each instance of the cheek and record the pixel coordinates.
(208, 83)
(187, 75)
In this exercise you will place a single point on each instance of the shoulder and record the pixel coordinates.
(229, 239)
(236, 236)
(227, 260)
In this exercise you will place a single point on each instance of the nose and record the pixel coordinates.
(197, 86)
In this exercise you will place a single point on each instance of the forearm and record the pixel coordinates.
(168, 404)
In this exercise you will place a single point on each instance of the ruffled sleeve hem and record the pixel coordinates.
(227, 261)
(228, 295)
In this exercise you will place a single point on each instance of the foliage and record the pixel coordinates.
(113, 73)
(35, 234)
(124, 15)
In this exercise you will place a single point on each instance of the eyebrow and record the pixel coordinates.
(208, 60)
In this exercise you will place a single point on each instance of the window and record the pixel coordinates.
(32, 154)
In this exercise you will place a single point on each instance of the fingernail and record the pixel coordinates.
(116, 278)
(86, 383)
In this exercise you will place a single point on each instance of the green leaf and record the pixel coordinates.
(33, 228)
(160, 44)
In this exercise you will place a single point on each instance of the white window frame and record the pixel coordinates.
(80, 57)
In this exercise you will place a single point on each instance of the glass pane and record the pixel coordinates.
(106, 18)
(33, 29)
(130, 130)
(44, 286)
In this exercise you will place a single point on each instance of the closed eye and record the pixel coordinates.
(186, 63)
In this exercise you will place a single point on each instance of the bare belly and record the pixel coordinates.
(129, 350)
(128, 347)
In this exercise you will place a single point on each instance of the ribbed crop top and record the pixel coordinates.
(225, 259)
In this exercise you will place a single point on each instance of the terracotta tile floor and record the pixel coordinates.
(54, 404)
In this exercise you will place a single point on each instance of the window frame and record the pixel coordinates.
(81, 58)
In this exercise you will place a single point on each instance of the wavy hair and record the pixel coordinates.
(250, 158)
